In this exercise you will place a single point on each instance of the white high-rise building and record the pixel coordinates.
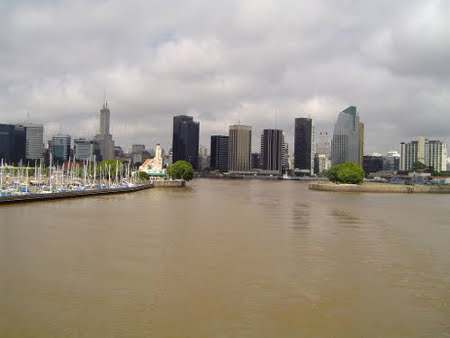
(104, 138)
(34, 148)
(436, 155)
(432, 153)
(324, 144)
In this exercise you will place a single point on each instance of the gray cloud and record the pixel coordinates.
(259, 62)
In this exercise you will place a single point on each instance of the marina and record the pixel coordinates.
(25, 183)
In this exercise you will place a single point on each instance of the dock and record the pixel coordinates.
(71, 194)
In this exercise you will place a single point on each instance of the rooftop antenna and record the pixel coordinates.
(60, 128)
(105, 104)
(28, 116)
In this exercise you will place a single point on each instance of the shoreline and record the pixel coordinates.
(381, 188)
(71, 194)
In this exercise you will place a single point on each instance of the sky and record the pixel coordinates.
(260, 63)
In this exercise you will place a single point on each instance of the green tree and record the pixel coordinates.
(348, 172)
(143, 176)
(181, 169)
(419, 166)
(332, 173)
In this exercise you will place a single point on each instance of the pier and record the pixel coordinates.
(71, 194)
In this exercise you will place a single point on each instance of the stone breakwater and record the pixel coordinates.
(71, 194)
(381, 188)
(169, 184)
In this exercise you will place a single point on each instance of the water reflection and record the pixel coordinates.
(345, 218)
(301, 217)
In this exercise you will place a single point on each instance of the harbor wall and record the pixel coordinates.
(169, 184)
(381, 188)
(70, 194)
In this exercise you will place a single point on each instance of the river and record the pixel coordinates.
(227, 258)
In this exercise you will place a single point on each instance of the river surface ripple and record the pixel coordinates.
(222, 258)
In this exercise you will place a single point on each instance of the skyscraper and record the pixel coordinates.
(361, 143)
(239, 148)
(284, 154)
(185, 142)
(304, 145)
(61, 148)
(12, 143)
(272, 149)
(432, 153)
(347, 140)
(104, 138)
(412, 152)
(323, 145)
(34, 135)
(219, 152)
(85, 150)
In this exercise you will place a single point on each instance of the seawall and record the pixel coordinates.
(169, 184)
(381, 188)
(70, 194)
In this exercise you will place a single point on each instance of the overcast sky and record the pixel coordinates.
(259, 62)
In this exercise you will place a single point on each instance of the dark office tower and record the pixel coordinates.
(303, 145)
(219, 152)
(271, 149)
(185, 139)
(19, 143)
(12, 143)
(256, 161)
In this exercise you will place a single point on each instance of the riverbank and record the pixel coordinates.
(71, 194)
(254, 176)
(380, 188)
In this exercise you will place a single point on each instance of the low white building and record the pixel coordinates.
(154, 167)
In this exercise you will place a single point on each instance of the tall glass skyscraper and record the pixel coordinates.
(347, 142)
(272, 149)
(61, 148)
(185, 142)
(304, 145)
(219, 152)
(12, 143)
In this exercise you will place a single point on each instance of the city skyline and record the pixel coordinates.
(395, 73)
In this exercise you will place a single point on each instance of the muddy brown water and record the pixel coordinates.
(222, 258)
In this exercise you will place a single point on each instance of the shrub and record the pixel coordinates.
(348, 172)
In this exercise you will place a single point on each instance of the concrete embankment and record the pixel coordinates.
(381, 188)
(70, 194)
(169, 184)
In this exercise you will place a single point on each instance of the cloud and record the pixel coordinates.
(259, 62)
